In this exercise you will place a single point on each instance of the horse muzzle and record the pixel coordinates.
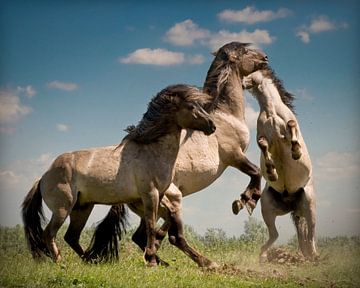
(211, 128)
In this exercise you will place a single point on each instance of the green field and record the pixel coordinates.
(338, 265)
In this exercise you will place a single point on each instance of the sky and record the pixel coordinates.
(74, 74)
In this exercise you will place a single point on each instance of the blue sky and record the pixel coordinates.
(74, 75)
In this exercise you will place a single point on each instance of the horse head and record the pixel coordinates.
(190, 113)
(241, 56)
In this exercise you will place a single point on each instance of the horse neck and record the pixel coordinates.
(268, 97)
(167, 146)
(228, 97)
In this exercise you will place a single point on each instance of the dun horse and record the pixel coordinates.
(141, 168)
(203, 159)
(285, 162)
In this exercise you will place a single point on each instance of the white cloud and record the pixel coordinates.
(338, 165)
(11, 108)
(160, 57)
(29, 91)
(189, 33)
(317, 25)
(257, 38)
(304, 36)
(9, 178)
(65, 86)
(251, 16)
(195, 59)
(62, 127)
(17, 175)
(186, 33)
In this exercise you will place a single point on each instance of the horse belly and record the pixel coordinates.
(292, 174)
(100, 181)
(198, 164)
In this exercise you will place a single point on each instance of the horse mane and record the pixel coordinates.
(159, 117)
(217, 77)
(286, 97)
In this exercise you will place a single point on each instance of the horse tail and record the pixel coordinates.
(33, 217)
(104, 243)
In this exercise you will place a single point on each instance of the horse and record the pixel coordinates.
(202, 159)
(140, 168)
(285, 162)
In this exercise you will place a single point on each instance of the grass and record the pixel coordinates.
(339, 266)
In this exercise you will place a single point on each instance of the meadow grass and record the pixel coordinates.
(239, 267)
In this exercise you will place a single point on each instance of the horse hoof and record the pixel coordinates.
(296, 155)
(273, 176)
(237, 205)
(213, 266)
(250, 206)
(151, 264)
(296, 151)
(263, 259)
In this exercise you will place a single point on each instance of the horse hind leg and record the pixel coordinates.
(177, 238)
(301, 230)
(269, 216)
(78, 218)
(295, 145)
(57, 219)
(269, 164)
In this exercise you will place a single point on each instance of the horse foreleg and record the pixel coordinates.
(176, 234)
(78, 218)
(140, 238)
(252, 192)
(295, 145)
(151, 202)
(269, 164)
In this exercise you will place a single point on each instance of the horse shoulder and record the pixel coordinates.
(231, 132)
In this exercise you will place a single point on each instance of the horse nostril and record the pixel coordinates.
(213, 127)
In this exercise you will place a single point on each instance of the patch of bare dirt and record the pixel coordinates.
(282, 256)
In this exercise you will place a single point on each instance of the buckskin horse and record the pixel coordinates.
(141, 169)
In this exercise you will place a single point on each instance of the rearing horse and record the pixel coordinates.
(141, 168)
(202, 159)
(285, 162)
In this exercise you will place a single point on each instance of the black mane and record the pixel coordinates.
(286, 97)
(159, 117)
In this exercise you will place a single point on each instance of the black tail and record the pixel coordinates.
(104, 243)
(33, 217)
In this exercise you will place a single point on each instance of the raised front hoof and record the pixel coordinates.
(296, 151)
(272, 175)
(250, 206)
(237, 205)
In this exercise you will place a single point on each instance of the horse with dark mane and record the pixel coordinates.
(141, 169)
(285, 162)
(202, 159)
